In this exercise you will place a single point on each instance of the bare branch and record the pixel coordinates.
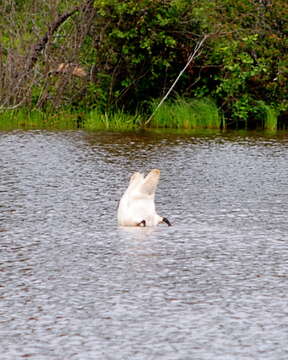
(38, 47)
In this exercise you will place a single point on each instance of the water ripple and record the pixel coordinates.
(75, 286)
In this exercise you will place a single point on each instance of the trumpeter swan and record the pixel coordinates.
(137, 207)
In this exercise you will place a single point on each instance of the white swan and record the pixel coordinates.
(137, 207)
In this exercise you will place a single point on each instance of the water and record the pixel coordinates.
(73, 285)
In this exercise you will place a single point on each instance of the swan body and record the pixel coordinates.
(137, 207)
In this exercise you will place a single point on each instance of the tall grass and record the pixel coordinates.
(178, 114)
(187, 114)
(269, 116)
(116, 121)
(93, 120)
(36, 119)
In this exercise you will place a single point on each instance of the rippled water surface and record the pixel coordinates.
(73, 285)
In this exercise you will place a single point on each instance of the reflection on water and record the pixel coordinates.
(76, 286)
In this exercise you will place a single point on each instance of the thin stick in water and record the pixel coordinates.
(191, 57)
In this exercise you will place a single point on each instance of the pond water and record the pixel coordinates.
(73, 285)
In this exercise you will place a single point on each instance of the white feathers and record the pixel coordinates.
(137, 207)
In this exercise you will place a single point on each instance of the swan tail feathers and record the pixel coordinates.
(150, 182)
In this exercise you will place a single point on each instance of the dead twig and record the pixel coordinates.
(40, 46)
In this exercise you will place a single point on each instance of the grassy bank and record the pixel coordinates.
(36, 119)
(178, 114)
(106, 54)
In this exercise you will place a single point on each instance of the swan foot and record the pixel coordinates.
(142, 223)
(165, 220)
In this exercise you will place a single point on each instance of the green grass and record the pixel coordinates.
(269, 116)
(36, 119)
(93, 120)
(178, 114)
(114, 121)
(187, 114)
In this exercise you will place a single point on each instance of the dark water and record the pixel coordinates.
(75, 286)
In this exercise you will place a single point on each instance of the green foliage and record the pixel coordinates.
(133, 50)
(243, 63)
(140, 44)
(238, 69)
(250, 57)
